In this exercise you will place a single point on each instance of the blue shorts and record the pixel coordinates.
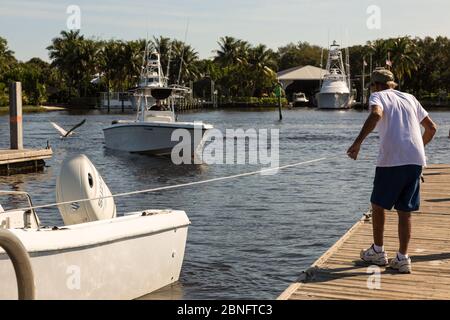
(397, 187)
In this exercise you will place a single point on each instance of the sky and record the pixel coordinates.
(29, 25)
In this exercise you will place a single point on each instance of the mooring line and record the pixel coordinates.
(176, 185)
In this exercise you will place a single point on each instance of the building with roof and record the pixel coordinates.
(304, 79)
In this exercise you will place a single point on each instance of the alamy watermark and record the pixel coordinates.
(373, 21)
(73, 21)
(233, 146)
(374, 280)
(73, 281)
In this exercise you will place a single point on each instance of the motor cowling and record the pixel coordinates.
(79, 179)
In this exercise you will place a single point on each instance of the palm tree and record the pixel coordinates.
(379, 49)
(232, 55)
(404, 56)
(207, 68)
(66, 56)
(184, 66)
(231, 51)
(6, 56)
(88, 56)
(261, 63)
(133, 51)
(111, 64)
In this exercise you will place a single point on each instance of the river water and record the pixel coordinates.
(250, 237)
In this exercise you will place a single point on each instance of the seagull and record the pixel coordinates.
(64, 133)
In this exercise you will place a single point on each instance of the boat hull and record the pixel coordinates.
(150, 138)
(121, 258)
(332, 100)
(300, 104)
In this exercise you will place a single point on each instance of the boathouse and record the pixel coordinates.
(304, 79)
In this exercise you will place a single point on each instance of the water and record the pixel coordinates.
(250, 237)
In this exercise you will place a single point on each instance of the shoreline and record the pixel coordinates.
(33, 109)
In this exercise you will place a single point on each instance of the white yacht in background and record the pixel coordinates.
(95, 254)
(335, 90)
(151, 131)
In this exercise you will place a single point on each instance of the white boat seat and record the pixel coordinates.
(150, 118)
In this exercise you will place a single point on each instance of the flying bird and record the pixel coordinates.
(63, 132)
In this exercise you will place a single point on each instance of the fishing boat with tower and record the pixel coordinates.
(335, 91)
(151, 131)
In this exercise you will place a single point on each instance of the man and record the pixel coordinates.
(397, 116)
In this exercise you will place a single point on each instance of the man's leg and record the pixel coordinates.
(378, 217)
(402, 262)
(376, 254)
(404, 230)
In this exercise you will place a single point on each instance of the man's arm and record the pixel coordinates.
(369, 126)
(430, 130)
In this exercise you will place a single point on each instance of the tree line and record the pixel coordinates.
(83, 67)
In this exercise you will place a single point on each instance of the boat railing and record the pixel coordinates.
(21, 263)
(335, 77)
(28, 213)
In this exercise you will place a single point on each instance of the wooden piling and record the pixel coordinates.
(17, 159)
(15, 116)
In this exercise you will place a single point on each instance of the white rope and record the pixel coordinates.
(177, 185)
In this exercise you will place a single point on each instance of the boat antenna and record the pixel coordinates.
(321, 67)
(347, 56)
(168, 62)
(321, 58)
(182, 52)
(328, 39)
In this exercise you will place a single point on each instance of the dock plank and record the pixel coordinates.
(12, 156)
(339, 273)
(23, 161)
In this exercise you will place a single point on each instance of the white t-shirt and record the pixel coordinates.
(399, 129)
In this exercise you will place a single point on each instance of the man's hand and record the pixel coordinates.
(375, 115)
(353, 151)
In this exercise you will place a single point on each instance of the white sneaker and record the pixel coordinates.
(403, 266)
(373, 257)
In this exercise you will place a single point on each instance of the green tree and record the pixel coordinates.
(65, 52)
(7, 62)
(300, 54)
(231, 51)
(261, 66)
(7, 59)
(76, 60)
(404, 57)
(183, 63)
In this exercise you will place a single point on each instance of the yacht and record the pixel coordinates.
(335, 90)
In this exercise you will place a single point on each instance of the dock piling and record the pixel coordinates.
(15, 115)
(17, 159)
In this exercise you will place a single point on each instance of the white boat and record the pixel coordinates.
(151, 131)
(95, 255)
(300, 100)
(335, 90)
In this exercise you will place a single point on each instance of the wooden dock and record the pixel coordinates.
(339, 274)
(24, 160)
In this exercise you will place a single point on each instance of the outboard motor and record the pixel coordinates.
(78, 180)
